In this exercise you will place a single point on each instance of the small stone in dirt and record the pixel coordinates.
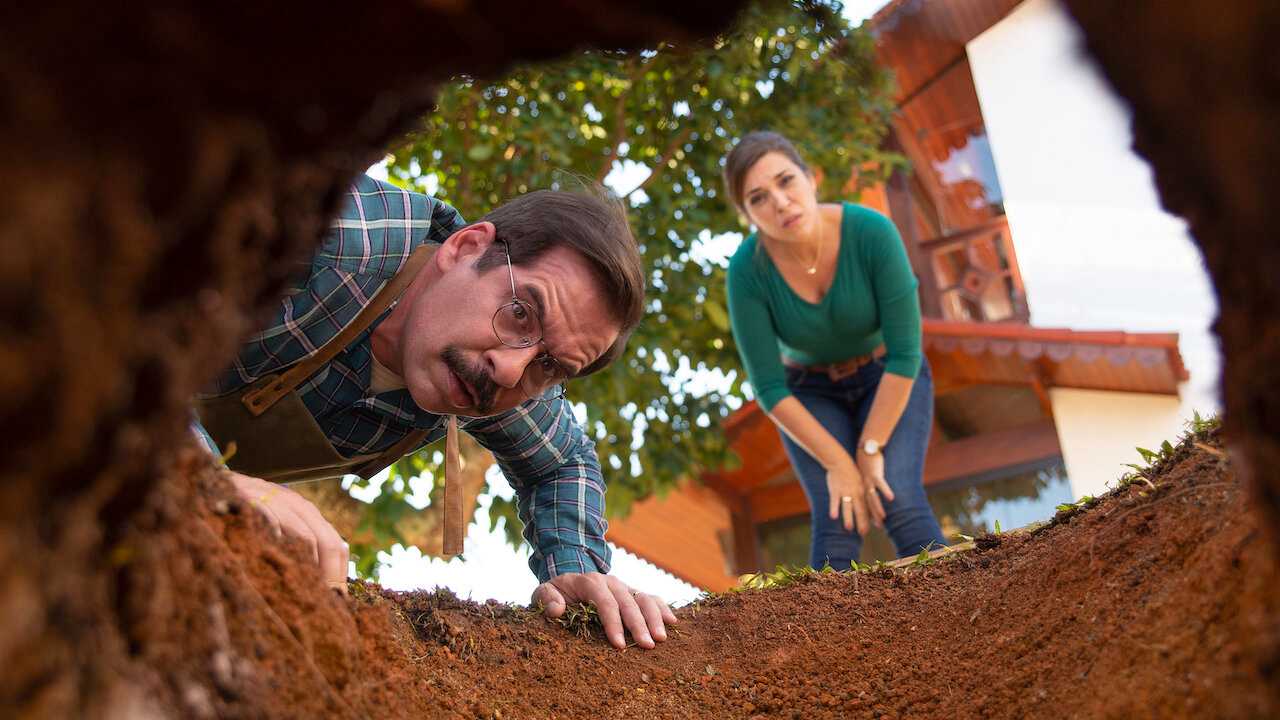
(224, 675)
(197, 700)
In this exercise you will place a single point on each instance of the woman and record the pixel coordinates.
(824, 310)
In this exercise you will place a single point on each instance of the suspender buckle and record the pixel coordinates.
(260, 399)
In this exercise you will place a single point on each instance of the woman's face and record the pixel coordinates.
(780, 198)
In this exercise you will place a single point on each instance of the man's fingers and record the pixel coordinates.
(549, 597)
(294, 526)
(619, 608)
(654, 617)
(606, 604)
(632, 616)
(270, 515)
(331, 551)
(668, 615)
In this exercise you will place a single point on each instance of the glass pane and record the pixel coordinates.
(1014, 500)
(945, 137)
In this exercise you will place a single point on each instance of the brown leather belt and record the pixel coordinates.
(839, 370)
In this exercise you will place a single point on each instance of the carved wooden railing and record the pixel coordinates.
(976, 275)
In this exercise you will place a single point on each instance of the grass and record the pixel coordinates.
(580, 619)
(1154, 463)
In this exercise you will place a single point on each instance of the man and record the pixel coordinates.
(407, 317)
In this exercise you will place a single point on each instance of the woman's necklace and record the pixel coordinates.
(811, 268)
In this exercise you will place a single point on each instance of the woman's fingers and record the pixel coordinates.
(846, 511)
(886, 492)
(875, 506)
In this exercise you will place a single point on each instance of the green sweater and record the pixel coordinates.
(872, 300)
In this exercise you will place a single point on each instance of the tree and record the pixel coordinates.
(672, 113)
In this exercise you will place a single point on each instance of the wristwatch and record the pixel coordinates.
(870, 447)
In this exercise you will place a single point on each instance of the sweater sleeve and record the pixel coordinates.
(754, 333)
(897, 301)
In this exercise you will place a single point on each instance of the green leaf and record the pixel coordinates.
(480, 153)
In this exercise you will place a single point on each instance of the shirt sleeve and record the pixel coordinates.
(553, 467)
(754, 333)
(204, 438)
(895, 289)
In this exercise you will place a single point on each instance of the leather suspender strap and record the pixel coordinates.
(454, 523)
(277, 386)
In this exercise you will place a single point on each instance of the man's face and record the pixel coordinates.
(452, 360)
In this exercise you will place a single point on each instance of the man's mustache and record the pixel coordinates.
(485, 388)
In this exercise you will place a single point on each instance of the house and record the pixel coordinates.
(1026, 417)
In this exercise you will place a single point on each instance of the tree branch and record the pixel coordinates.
(619, 120)
(676, 142)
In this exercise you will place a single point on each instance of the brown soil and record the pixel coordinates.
(162, 166)
(1151, 603)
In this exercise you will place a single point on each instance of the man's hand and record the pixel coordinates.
(290, 514)
(644, 615)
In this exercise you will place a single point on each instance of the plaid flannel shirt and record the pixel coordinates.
(540, 447)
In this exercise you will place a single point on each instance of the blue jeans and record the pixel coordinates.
(842, 408)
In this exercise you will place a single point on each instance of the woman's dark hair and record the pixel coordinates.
(592, 223)
(752, 147)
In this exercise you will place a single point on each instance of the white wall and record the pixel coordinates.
(1100, 431)
(1095, 249)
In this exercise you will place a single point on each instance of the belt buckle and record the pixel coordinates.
(843, 370)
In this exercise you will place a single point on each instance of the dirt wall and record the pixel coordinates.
(1202, 83)
(162, 165)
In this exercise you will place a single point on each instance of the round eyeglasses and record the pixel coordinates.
(517, 325)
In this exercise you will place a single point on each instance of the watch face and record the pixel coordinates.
(871, 447)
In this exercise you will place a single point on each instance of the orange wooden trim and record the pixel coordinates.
(1018, 331)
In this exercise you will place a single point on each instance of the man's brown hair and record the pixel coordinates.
(591, 223)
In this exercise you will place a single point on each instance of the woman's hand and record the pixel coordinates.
(871, 467)
(848, 497)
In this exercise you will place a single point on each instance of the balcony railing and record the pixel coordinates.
(975, 274)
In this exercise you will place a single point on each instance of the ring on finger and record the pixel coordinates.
(846, 499)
